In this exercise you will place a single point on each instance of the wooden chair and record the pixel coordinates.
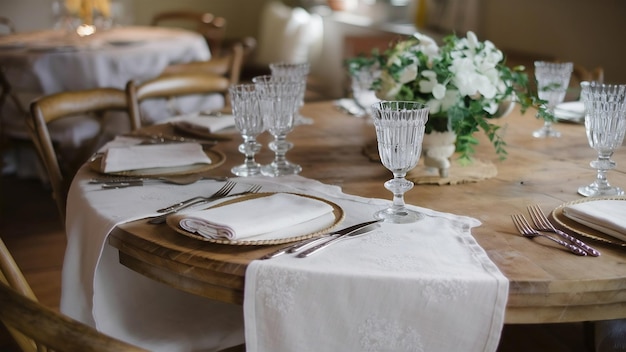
(55, 107)
(210, 26)
(581, 74)
(6, 26)
(35, 327)
(228, 65)
(174, 85)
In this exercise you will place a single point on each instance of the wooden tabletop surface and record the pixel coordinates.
(547, 283)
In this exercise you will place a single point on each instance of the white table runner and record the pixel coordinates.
(426, 286)
(435, 282)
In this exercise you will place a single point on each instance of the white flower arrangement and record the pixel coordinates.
(464, 82)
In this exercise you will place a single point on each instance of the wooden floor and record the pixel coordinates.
(31, 229)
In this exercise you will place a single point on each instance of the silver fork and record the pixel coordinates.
(526, 230)
(163, 217)
(226, 188)
(543, 224)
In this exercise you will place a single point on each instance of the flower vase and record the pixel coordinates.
(438, 147)
(439, 144)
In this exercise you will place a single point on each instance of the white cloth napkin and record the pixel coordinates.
(571, 110)
(276, 216)
(148, 156)
(208, 124)
(607, 216)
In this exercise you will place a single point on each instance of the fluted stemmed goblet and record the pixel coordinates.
(362, 92)
(296, 72)
(278, 100)
(605, 124)
(399, 130)
(552, 82)
(249, 122)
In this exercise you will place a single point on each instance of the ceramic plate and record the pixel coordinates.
(571, 225)
(338, 213)
(217, 159)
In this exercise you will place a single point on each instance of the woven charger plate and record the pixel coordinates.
(338, 213)
(217, 159)
(585, 231)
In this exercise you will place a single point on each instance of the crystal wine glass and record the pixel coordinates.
(552, 82)
(399, 130)
(362, 93)
(249, 122)
(298, 72)
(278, 99)
(605, 124)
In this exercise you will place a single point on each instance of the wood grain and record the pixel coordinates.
(547, 284)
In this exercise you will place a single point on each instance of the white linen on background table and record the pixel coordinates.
(97, 63)
(98, 290)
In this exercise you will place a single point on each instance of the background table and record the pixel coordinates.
(547, 284)
(46, 62)
(53, 61)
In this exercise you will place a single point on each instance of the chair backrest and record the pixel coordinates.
(36, 327)
(581, 74)
(211, 27)
(229, 65)
(171, 86)
(6, 26)
(51, 108)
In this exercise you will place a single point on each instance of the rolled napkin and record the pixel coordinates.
(607, 216)
(208, 124)
(274, 216)
(137, 157)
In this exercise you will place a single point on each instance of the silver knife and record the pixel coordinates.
(354, 232)
(295, 247)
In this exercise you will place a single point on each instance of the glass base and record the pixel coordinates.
(399, 215)
(594, 191)
(246, 170)
(546, 133)
(286, 168)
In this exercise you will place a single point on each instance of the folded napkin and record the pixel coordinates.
(570, 110)
(208, 124)
(607, 216)
(137, 157)
(271, 217)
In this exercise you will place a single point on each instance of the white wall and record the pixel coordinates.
(587, 32)
(590, 33)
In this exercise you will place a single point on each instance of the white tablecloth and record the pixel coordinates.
(422, 287)
(57, 61)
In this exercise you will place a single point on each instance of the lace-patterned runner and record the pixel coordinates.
(426, 286)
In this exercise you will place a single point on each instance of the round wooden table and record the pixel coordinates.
(547, 283)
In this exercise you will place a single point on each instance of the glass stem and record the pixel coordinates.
(398, 186)
(603, 165)
(249, 148)
(280, 146)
